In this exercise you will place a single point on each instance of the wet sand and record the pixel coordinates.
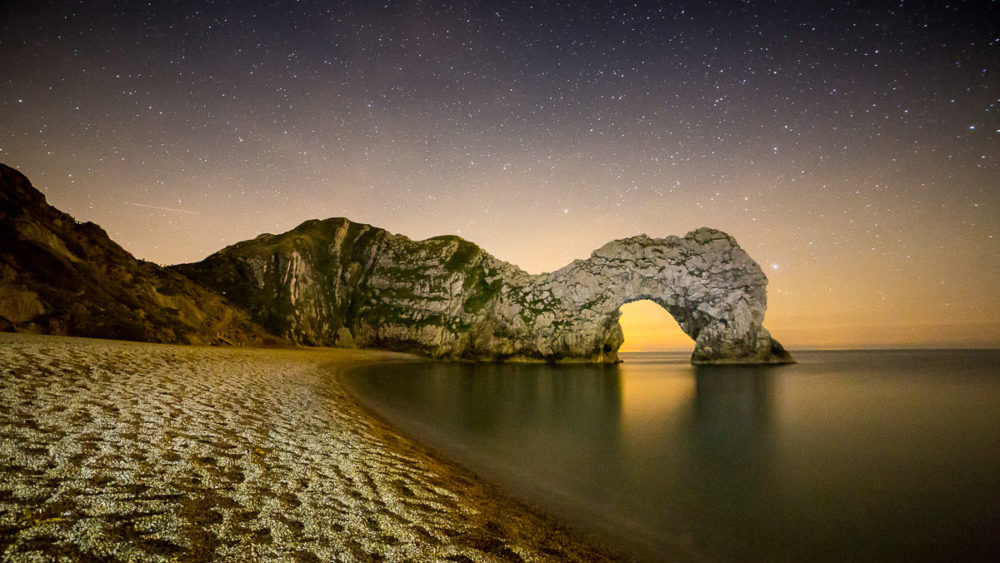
(122, 451)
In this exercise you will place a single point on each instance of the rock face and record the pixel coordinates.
(59, 276)
(335, 282)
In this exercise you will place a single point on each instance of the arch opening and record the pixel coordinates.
(648, 327)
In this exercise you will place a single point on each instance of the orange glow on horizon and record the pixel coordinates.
(649, 327)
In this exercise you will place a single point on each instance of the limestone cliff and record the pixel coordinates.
(335, 282)
(59, 276)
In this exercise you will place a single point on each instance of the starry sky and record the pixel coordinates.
(850, 147)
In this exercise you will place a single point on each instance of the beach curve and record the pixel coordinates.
(128, 451)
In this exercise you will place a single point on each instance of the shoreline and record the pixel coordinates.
(526, 519)
(120, 451)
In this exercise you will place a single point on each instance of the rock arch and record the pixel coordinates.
(335, 282)
(712, 288)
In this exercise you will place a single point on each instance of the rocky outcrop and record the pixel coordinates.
(714, 290)
(59, 276)
(335, 282)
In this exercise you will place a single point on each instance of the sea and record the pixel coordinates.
(888, 455)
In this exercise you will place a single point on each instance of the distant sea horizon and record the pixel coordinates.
(808, 348)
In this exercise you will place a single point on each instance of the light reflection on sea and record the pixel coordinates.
(843, 456)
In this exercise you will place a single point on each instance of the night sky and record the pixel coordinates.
(850, 147)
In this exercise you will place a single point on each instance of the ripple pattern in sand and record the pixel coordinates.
(127, 451)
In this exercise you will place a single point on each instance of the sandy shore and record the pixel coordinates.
(125, 451)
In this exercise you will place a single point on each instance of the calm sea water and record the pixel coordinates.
(845, 456)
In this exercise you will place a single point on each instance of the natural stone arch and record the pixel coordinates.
(335, 282)
(712, 288)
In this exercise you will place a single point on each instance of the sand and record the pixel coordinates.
(148, 452)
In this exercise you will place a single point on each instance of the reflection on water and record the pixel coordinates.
(524, 420)
(731, 411)
(844, 456)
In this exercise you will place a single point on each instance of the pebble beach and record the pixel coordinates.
(124, 451)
